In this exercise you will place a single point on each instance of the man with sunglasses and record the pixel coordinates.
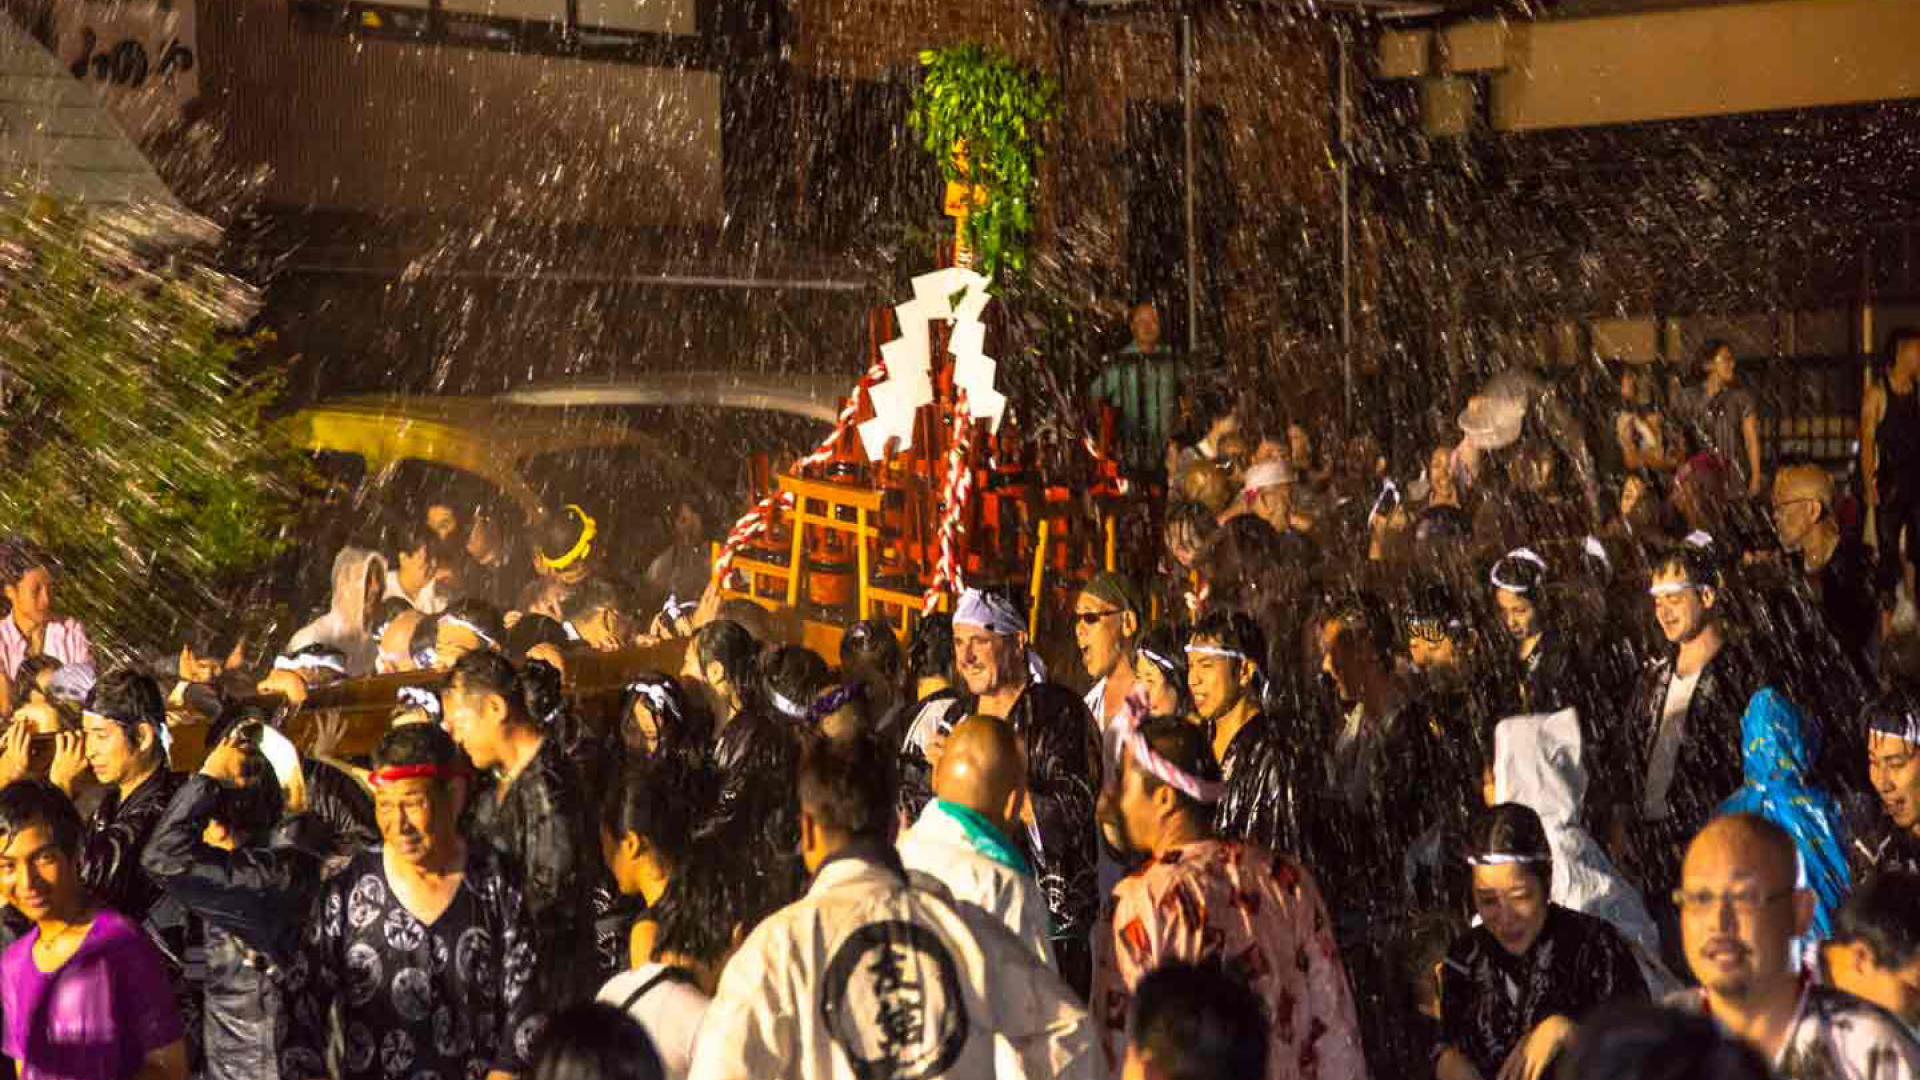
(1739, 915)
(1107, 618)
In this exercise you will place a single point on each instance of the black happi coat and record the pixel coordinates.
(1711, 764)
(453, 999)
(252, 900)
(541, 825)
(1490, 999)
(1063, 778)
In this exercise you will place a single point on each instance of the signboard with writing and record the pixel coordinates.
(141, 56)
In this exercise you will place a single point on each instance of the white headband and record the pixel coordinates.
(989, 612)
(1216, 650)
(1525, 555)
(310, 662)
(1501, 858)
(419, 697)
(467, 625)
(1266, 474)
(785, 705)
(1668, 588)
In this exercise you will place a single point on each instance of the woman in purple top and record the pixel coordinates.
(84, 993)
(30, 627)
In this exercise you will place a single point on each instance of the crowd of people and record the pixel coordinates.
(1545, 756)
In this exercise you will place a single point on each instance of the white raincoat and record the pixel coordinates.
(344, 626)
(868, 977)
(1538, 762)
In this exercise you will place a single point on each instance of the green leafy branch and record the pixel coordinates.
(132, 446)
(980, 102)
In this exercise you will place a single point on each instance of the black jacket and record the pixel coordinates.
(1710, 765)
(1063, 782)
(111, 844)
(342, 809)
(252, 901)
(542, 826)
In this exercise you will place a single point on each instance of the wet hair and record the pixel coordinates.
(684, 726)
(1883, 913)
(1168, 642)
(533, 631)
(1898, 339)
(751, 617)
(543, 690)
(1191, 517)
(791, 676)
(390, 609)
(420, 646)
(1186, 747)
(483, 617)
(18, 558)
(1363, 613)
(847, 785)
(662, 800)
(416, 744)
(1196, 1022)
(594, 595)
(593, 1041)
(30, 671)
(1434, 609)
(1640, 1041)
(728, 644)
(412, 536)
(130, 698)
(250, 812)
(1699, 564)
(869, 652)
(1712, 349)
(33, 801)
(1235, 630)
(484, 671)
(1513, 830)
(696, 916)
(930, 653)
(560, 530)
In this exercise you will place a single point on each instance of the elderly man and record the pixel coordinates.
(422, 943)
(1739, 915)
(868, 975)
(1203, 900)
(965, 838)
(1063, 765)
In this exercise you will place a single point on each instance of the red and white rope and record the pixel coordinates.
(947, 572)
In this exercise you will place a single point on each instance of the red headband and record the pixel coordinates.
(393, 773)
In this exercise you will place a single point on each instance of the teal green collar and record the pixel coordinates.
(985, 837)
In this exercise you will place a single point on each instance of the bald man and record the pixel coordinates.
(1837, 568)
(965, 838)
(1739, 914)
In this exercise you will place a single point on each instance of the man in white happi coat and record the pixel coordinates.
(870, 976)
(964, 839)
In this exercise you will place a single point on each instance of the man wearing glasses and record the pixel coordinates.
(1739, 915)
(1837, 569)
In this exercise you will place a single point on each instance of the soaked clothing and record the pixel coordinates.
(871, 977)
(1490, 999)
(981, 866)
(448, 1000)
(1258, 915)
(1835, 1036)
(252, 900)
(1884, 848)
(114, 837)
(1707, 764)
(540, 824)
(98, 1016)
(1063, 782)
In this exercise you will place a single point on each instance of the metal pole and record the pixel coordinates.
(1193, 247)
(1346, 234)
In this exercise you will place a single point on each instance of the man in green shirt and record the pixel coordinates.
(1142, 384)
